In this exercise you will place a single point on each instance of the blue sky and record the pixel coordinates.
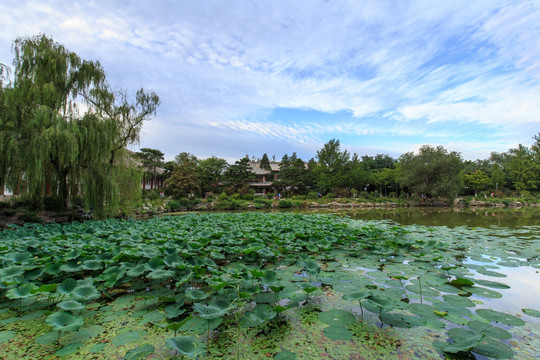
(239, 77)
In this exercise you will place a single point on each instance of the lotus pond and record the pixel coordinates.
(276, 285)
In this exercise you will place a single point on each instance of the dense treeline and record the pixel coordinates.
(64, 130)
(433, 172)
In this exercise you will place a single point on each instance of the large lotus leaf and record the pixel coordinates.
(71, 266)
(337, 317)
(128, 337)
(47, 338)
(172, 311)
(199, 325)
(70, 305)
(424, 289)
(173, 260)
(285, 355)
(139, 352)
(6, 335)
(150, 251)
(258, 315)
(337, 333)
(93, 265)
(423, 310)
(64, 321)
(137, 270)
(196, 295)
(382, 302)
(86, 293)
(187, 346)
(160, 274)
(269, 277)
(67, 286)
(464, 345)
(490, 273)
(156, 263)
(402, 320)
(492, 284)
(69, 349)
(358, 295)
(493, 349)
(11, 272)
(209, 312)
(500, 317)
(493, 331)
(480, 291)
(531, 312)
(21, 258)
(458, 300)
(21, 292)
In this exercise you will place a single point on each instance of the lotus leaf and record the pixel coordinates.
(11, 272)
(6, 335)
(85, 293)
(337, 333)
(128, 337)
(139, 352)
(195, 294)
(492, 284)
(336, 317)
(21, 292)
(486, 328)
(209, 312)
(187, 346)
(70, 305)
(69, 349)
(493, 349)
(500, 317)
(64, 321)
(531, 312)
(258, 315)
(480, 291)
(67, 286)
(285, 355)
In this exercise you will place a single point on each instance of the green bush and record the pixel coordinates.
(183, 204)
(4, 205)
(223, 196)
(264, 202)
(30, 217)
(312, 195)
(285, 204)
(151, 194)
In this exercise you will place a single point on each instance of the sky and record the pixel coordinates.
(241, 77)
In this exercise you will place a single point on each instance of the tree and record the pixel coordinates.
(265, 163)
(184, 180)
(185, 156)
(477, 180)
(151, 159)
(522, 169)
(239, 174)
(211, 171)
(433, 172)
(292, 174)
(57, 148)
(330, 172)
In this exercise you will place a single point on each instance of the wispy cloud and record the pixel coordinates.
(409, 72)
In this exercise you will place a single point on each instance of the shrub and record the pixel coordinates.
(263, 202)
(284, 204)
(30, 217)
(312, 195)
(53, 203)
(223, 196)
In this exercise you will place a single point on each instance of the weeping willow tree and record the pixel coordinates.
(55, 147)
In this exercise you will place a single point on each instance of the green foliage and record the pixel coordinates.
(57, 149)
(184, 180)
(433, 172)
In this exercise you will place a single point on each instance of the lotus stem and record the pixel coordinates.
(420, 287)
(361, 309)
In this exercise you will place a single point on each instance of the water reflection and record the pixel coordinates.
(512, 218)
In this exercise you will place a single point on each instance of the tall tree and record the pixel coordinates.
(433, 172)
(522, 169)
(331, 167)
(184, 180)
(211, 171)
(292, 174)
(239, 174)
(56, 146)
(151, 160)
(265, 163)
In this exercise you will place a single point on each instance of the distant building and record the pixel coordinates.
(263, 178)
